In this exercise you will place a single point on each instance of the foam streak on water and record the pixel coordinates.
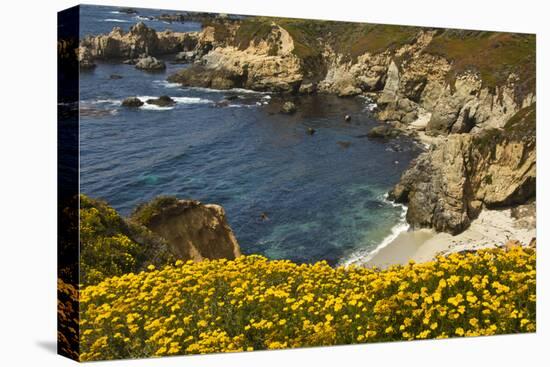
(363, 256)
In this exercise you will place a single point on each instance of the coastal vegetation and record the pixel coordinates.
(129, 246)
(252, 303)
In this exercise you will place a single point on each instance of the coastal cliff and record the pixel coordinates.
(158, 233)
(468, 93)
(448, 186)
(194, 231)
(473, 90)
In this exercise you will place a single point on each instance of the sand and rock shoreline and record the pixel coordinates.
(493, 228)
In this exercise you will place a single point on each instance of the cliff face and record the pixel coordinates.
(446, 187)
(266, 63)
(194, 231)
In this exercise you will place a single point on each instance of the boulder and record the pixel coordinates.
(200, 76)
(307, 88)
(288, 107)
(186, 56)
(162, 101)
(349, 91)
(384, 131)
(132, 102)
(127, 11)
(150, 63)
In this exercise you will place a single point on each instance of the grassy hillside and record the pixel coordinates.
(494, 55)
(130, 246)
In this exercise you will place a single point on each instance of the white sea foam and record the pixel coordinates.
(363, 256)
(166, 83)
(154, 107)
(232, 90)
(178, 100)
(192, 100)
(369, 104)
(116, 20)
(114, 102)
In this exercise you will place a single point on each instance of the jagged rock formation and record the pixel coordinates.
(193, 230)
(447, 187)
(150, 63)
(263, 63)
(139, 40)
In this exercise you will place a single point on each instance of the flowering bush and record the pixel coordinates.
(253, 303)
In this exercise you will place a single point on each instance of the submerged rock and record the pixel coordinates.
(132, 102)
(288, 108)
(115, 76)
(162, 101)
(193, 230)
(307, 88)
(385, 131)
(127, 11)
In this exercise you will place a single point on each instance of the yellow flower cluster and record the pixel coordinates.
(253, 303)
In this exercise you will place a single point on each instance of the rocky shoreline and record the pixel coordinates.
(470, 95)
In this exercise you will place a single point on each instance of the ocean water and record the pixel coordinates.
(322, 194)
(101, 19)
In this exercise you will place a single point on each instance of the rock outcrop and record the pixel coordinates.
(150, 63)
(193, 230)
(139, 40)
(162, 101)
(384, 131)
(447, 187)
(265, 64)
(132, 102)
(288, 107)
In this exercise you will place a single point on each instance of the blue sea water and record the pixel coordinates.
(96, 19)
(323, 194)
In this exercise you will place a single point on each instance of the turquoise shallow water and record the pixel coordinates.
(323, 195)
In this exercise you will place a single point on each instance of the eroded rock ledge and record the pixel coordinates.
(194, 231)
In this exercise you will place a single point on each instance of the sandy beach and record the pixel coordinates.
(491, 229)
